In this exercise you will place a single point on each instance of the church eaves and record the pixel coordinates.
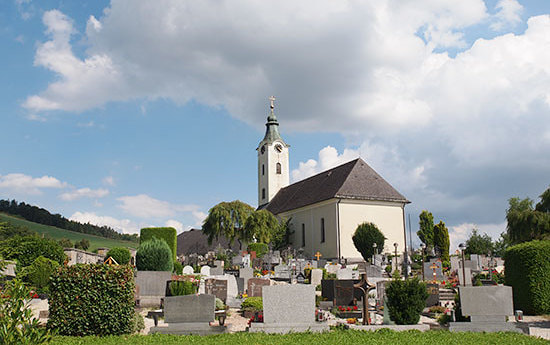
(352, 180)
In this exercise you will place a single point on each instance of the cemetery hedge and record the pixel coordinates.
(381, 337)
(92, 299)
(167, 234)
(527, 271)
(154, 255)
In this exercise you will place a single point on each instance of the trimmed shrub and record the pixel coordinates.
(169, 235)
(39, 272)
(26, 249)
(527, 271)
(365, 236)
(154, 255)
(92, 299)
(253, 303)
(121, 255)
(406, 300)
(260, 248)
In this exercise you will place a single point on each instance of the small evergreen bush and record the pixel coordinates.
(365, 236)
(121, 255)
(154, 255)
(169, 235)
(92, 299)
(406, 300)
(260, 248)
(39, 272)
(253, 303)
(527, 271)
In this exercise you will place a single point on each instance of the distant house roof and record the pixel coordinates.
(352, 180)
(195, 241)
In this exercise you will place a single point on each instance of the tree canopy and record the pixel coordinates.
(479, 244)
(262, 226)
(227, 219)
(441, 241)
(426, 231)
(365, 236)
(526, 223)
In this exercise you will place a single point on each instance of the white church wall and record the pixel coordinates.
(311, 217)
(387, 216)
(268, 178)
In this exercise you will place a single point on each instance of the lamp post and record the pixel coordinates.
(462, 247)
(396, 261)
(423, 248)
(374, 245)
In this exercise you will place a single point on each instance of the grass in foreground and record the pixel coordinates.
(382, 337)
(57, 234)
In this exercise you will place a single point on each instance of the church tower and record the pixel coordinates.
(273, 168)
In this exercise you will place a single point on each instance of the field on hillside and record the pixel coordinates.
(57, 234)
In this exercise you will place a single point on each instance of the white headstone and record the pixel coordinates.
(205, 270)
(468, 273)
(316, 276)
(332, 269)
(188, 270)
(344, 273)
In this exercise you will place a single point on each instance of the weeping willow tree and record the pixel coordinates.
(227, 219)
(526, 223)
(262, 226)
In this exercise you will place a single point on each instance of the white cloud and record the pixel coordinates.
(460, 233)
(144, 206)
(84, 193)
(174, 224)
(108, 180)
(122, 225)
(28, 184)
(508, 15)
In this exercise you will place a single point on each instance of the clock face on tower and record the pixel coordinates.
(279, 148)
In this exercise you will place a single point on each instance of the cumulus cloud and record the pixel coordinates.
(27, 184)
(84, 193)
(144, 206)
(508, 14)
(122, 225)
(460, 233)
(174, 224)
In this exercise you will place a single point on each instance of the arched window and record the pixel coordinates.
(263, 193)
(263, 169)
(278, 168)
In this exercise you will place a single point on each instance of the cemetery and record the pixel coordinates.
(249, 294)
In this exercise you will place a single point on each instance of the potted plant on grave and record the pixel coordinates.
(252, 307)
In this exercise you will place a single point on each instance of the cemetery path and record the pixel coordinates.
(236, 322)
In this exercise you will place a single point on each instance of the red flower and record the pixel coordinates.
(354, 307)
(341, 308)
(349, 308)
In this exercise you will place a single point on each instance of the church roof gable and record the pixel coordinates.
(352, 180)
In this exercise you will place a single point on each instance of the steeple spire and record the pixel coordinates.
(272, 126)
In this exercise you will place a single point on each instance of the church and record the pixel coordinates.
(325, 209)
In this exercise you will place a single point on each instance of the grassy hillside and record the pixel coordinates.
(57, 234)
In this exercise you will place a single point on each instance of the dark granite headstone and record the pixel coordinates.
(327, 289)
(255, 286)
(343, 292)
(217, 288)
(433, 295)
(240, 285)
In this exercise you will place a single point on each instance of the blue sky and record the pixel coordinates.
(136, 113)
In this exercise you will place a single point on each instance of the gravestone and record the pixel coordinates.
(188, 270)
(344, 273)
(255, 286)
(433, 295)
(152, 287)
(343, 292)
(240, 285)
(488, 308)
(455, 263)
(216, 271)
(468, 277)
(205, 270)
(282, 271)
(190, 314)
(288, 308)
(237, 260)
(300, 278)
(217, 288)
(321, 263)
(316, 276)
(476, 260)
(246, 273)
(381, 291)
(429, 272)
(332, 269)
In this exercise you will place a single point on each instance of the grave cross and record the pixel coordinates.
(434, 267)
(317, 255)
(365, 287)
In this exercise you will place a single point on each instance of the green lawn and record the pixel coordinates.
(57, 234)
(382, 337)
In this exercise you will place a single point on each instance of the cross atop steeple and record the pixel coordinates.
(272, 100)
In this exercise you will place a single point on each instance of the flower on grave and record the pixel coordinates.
(341, 308)
(355, 307)
(349, 308)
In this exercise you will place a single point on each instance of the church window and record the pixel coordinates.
(278, 168)
(322, 230)
(303, 235)
(263, 193)
(263, 169)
